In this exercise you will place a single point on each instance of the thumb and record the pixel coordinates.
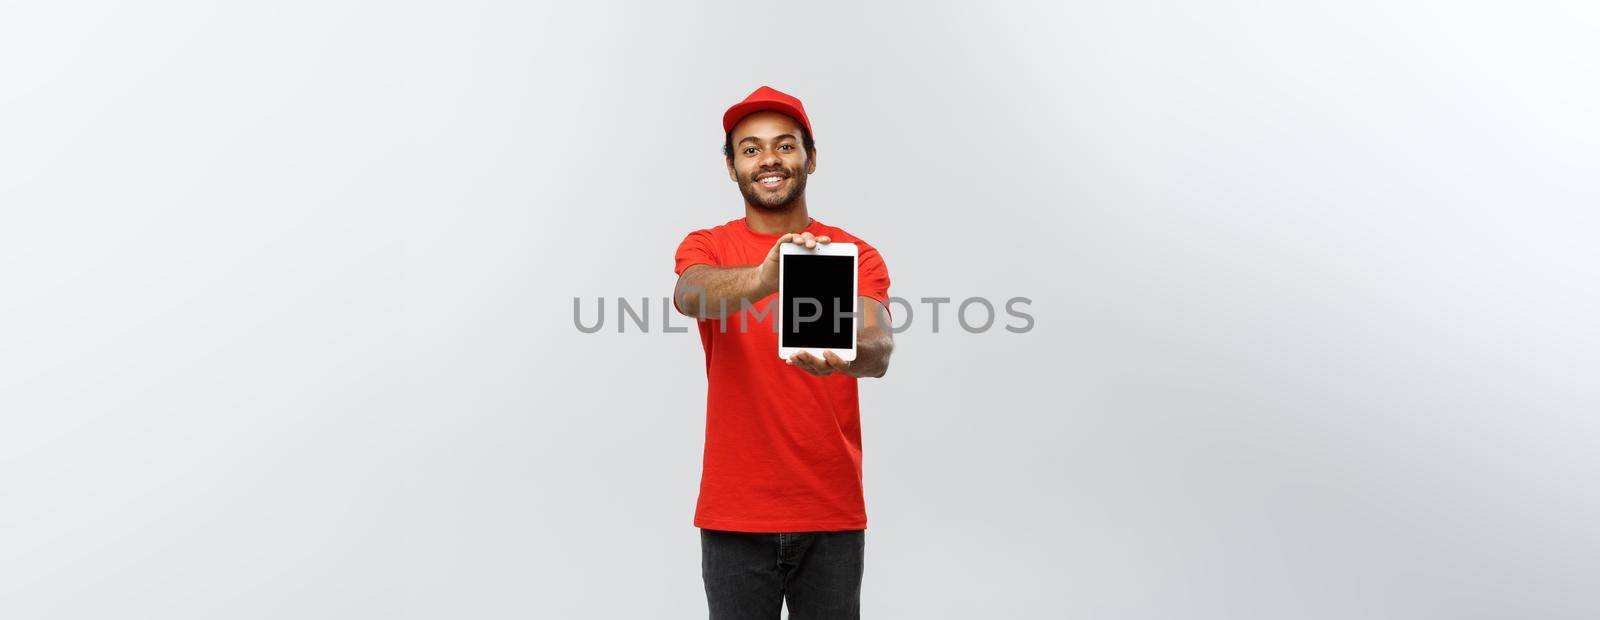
(773, 253)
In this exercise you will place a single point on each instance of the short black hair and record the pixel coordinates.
(805, 141)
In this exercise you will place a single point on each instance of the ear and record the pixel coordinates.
(811, 162)
(733, 175)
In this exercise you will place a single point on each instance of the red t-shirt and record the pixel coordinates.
(783, 446)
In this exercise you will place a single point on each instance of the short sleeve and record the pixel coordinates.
(872, 275)
(695, 250)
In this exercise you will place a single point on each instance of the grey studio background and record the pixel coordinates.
(286, 304)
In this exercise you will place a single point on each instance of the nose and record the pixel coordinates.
(769, 159)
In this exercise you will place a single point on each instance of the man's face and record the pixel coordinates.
(769, 162)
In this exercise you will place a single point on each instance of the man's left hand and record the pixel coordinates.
(828, 364)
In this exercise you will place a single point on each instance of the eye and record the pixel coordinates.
(789, 147)
(749, 149)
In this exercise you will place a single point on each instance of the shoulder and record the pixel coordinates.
(707, 239)
(706, 246)
(720, 231)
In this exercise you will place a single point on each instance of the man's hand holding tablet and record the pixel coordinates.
(769, 267)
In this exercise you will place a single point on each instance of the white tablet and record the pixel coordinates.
(817, 290)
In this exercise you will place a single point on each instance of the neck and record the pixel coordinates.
(792, 218)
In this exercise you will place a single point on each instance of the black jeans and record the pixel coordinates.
(748, 575)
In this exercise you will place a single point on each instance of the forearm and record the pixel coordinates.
(872, 358)
(874, 342)
(707, 292)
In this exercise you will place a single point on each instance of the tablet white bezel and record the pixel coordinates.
(825, 249)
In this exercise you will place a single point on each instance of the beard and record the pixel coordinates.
(773, 201)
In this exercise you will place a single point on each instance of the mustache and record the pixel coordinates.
(783, 171)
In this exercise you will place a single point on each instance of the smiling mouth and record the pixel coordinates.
(771, 180)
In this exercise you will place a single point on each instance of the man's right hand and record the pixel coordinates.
(769, 267)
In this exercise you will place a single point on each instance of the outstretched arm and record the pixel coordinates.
(706, 292)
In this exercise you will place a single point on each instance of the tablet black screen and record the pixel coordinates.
(829, 281)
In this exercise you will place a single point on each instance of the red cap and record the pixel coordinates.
(766, 98)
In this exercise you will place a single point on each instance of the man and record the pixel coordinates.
(781, 510)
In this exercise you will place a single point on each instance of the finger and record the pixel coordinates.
(810, 363)
(834, 361)
(823, 239)
(817, 369)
